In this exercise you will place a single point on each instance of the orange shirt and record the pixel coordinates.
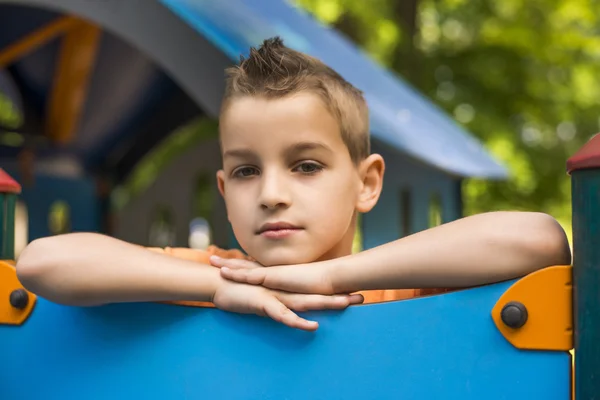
(203, 256)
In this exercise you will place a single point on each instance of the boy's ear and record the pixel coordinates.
(371, 172)
(221, 182)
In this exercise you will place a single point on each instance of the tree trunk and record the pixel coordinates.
(406, 59)
(350, 27)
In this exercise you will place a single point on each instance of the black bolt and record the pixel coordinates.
(19, 298)
(514, 314)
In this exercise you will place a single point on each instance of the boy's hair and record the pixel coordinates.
(275, 71)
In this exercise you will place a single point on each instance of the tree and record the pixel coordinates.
(523, 76)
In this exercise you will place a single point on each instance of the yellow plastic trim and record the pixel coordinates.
(74, 68)
(10, 315)
(547, 295)
(35, 40)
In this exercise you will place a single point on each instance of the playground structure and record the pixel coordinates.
(100, 84)
(500, 341)
(82, 152)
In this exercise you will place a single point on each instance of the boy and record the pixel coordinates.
(297, 170)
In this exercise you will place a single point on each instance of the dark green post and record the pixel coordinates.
(584, 168)
(9, 189)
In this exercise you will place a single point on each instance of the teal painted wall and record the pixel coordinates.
(385, 222)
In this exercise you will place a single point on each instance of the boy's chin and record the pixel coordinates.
(282, 258)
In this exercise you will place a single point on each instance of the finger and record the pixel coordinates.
(233, 263)
(277, 311)
(254, 276)
(306, 302)
(356, 298)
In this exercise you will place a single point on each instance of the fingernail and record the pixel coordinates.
(215, 258)
(225, 269)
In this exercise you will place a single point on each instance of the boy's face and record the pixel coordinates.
(289, 184)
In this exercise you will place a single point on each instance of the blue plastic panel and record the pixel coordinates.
(442, 347)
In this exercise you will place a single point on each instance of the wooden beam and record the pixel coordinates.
(73, 73)
(36, 39)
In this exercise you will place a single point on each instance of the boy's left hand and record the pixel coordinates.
(314, 278)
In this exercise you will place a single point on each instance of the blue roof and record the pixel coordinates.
(400, 116)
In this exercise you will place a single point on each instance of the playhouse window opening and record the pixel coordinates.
(162, 228)
(59, 218)
(21, 227)
(406, 211)
(435, 210)
(200, 235)
(357, 241)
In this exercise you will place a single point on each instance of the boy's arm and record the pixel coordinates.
(477, 250)
(90, 269)
(472, 251)
(86, 269)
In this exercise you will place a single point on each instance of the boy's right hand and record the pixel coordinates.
(277, 305)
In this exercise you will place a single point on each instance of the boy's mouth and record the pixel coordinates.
(278, 230)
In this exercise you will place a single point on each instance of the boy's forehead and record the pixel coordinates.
(289, 150)
(298, 118)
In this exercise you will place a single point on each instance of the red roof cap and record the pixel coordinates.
(8, 184)
(587, 157)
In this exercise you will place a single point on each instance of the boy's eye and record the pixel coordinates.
(308, 168)
(245, 172)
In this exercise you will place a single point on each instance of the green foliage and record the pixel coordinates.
(10, 117)
(523, 76)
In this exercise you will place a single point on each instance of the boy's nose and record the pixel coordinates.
(274, 193)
